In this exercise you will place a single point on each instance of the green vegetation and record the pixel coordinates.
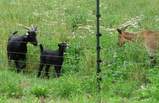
(127, 76)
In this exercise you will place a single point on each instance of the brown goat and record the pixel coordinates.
(150, 40)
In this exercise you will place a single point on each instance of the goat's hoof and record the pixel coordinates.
(17, 70)
(153, 63)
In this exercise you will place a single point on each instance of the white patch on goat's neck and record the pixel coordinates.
(27, 33)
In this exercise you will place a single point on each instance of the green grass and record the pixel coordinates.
(127, 76)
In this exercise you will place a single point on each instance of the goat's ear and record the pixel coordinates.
(119, 31)
(15, 32)
(35, 28)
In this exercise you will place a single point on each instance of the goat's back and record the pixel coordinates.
(151, 39)
(16, 44)
(51, 57)
(16, 47)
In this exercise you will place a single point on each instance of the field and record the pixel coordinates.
(127, 76)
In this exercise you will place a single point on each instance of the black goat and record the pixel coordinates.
(55, 58)
(17, 47)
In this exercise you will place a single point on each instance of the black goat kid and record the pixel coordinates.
(17, 47)
(55, 58)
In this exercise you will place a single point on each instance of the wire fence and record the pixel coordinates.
(109, 72)
(73, 55)
(33, 61)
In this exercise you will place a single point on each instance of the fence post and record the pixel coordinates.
(98, 48)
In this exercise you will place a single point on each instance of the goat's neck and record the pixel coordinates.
(61, 51)
(131, 36)
(25, 39)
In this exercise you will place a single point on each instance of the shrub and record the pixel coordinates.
(40, 91)
(12, 90)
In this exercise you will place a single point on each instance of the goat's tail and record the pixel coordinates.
(14, 32)
(41, 48)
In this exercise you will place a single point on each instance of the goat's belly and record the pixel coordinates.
(48, 62)
(52, 62)
(17, 56)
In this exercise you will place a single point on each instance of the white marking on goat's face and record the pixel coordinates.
(67, 46)
(27, 34)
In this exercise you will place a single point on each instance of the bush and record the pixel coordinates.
(74, 18)
(40, 91)
(12, 90)
(67, 87)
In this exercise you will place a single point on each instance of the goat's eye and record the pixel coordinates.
(30, 36)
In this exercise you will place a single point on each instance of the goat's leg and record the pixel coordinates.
(17, 66)
(9, 61)
(23, 62)
(47, 71)
(40, 69)
(152, 50)
(58, 71)
(152, 57)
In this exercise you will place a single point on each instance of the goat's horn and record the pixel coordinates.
(25, 27)
(35, 28)
(123, 29)
(32, 26)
